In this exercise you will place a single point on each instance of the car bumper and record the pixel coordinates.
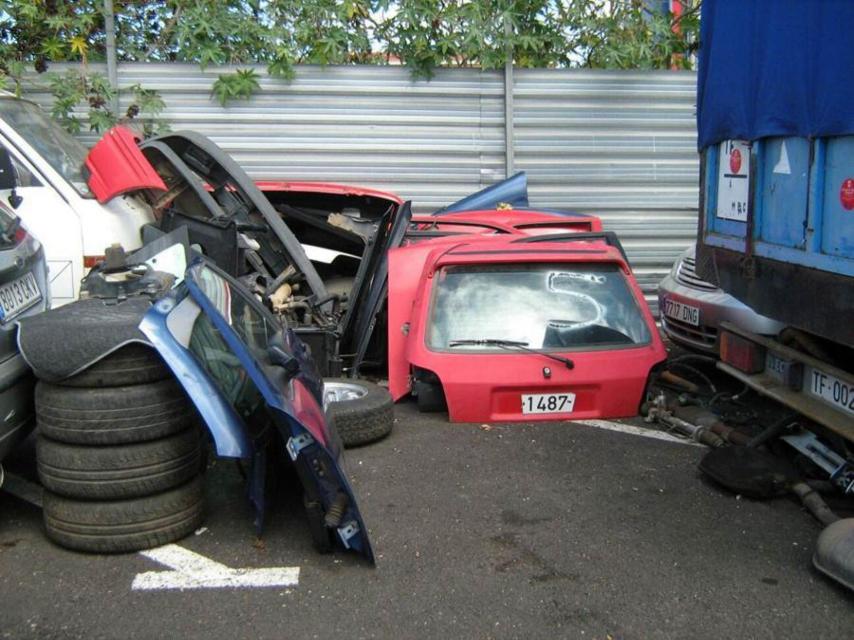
(16, 402)
(715, 307)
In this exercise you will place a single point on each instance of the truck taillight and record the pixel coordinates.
(741, 353)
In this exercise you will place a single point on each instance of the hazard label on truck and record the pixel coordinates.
(733, 180)
(846, 194)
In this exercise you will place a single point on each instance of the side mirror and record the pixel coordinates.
(281, 358)
(8, 178)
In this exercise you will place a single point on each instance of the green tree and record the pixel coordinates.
(422, 34)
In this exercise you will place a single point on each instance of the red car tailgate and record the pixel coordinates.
(481, 387)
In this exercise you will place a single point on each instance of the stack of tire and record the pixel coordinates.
(120, 455)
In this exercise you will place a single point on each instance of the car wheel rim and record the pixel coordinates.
(342, 392)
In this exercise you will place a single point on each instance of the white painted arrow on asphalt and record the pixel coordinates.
(190, 570)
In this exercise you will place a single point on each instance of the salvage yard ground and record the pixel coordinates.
(547, 530)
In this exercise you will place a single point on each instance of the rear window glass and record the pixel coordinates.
(549, 307)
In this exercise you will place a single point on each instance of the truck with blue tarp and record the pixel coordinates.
(775, 120)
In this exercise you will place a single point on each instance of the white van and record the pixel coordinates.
(50, 195)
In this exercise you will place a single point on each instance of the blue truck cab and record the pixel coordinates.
(775, 119)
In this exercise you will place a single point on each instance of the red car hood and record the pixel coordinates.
(328, 188)
(487, 387)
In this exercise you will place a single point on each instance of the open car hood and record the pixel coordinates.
(208, 188)
(117, 166)
(327, 188)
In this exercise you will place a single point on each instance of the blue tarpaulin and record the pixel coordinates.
(775, 68)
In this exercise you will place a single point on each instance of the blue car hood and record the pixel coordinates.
(512, 191)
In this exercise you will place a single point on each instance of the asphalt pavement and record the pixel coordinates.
(551, 530)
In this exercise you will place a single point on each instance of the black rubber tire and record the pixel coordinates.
(429, 397)
(119, 472)
(114, 415)
(125, 525)
(134, 363)
(362, 420)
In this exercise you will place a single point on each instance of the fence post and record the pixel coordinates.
(508, 102)
(112, 68)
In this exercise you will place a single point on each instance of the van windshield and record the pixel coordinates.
(59, 149)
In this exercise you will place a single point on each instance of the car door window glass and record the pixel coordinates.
(211, 349)
(220, 363)
(253, 328)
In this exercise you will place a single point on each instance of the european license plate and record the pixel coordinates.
(682, 312)
(18, 295)
(548, 402)
(830, 389)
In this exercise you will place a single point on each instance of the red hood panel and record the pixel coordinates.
(330, 188)
(117, 166)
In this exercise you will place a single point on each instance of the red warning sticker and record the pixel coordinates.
(735, 160)
(846, 194)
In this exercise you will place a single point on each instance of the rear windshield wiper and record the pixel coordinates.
(510, 345)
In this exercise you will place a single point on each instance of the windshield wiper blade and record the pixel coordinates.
(509, 345)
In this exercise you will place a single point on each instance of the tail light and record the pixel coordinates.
(13, 234)
(741, 353)
(91, 261)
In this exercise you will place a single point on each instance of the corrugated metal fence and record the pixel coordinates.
(621, 145)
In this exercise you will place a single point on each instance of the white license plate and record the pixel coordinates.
(18, 295)
(831, 389)
(548, 402)
(682, 312)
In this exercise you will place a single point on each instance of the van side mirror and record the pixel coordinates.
(8, 177)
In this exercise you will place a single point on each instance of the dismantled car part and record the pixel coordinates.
(761, 474)
(108, 178)
(512, 193)
(255, 386)
(252, 381)
(840, 470)
(323, 282)
(361, 411)
(834, 552)
(658, 411)
(465, 315)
